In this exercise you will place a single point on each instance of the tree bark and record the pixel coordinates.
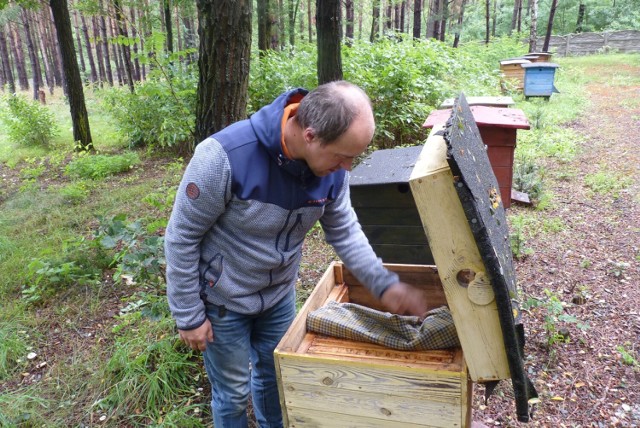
(417, 19)
(6, 63)
(444, 17)
(388, 20)
(487, 15)
(329, 53)
(87, 43)
(403, 10)
(166, 4)
(116, 52)
(310, 19)
(375, 22)
(83, 65)
(514, 17)
(533, 29)
(102, 75)
(552, 14)
(46, 58)
(105, 46)
(79, 116)
(21, 66)
(350, 19)
(33, 56)
(225, 51)
(126, 52)
(581, 12)
(54, 48)
(265, 24)
(456, 39)
(134, 34)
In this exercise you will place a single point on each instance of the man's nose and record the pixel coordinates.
(347, 164)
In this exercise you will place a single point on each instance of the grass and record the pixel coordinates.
(135, 372)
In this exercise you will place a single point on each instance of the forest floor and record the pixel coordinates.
(583, 337)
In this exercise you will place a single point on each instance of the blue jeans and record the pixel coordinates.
(240, 360)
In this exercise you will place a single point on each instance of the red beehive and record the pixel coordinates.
(498, 128)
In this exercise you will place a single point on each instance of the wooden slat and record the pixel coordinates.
(366, 404)
(421, 381)
(454, 250)
(301, 417)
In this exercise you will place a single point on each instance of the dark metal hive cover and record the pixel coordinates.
(479, 193)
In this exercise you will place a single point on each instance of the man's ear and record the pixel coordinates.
(309, 135)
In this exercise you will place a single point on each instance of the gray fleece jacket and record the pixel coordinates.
(240, 217)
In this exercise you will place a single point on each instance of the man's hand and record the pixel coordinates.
(403, 299)
(197, 338)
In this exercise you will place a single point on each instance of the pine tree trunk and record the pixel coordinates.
(494, 19)
(280, 24)
(487, 15)
(225, 50)
(99, 54)
(126, 52)
(533, 29)
(581, 12)
(105, 45)
(166, 4)
(375, 21)
(53, 48)
(328, 29)
(514, 17)
(83, 66)
(134, 34)
(444, 13)
(456, 39)
(115, 55)
(417, 19)
(310, 20)
(18, 54)
(79, 116)
(552, 14)
(87, 43)
(6, 63)
(176, 14)
(403, 10)
(349, 14)
(33, 56)
(46, 59)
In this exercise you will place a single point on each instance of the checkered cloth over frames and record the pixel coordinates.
(406, 333)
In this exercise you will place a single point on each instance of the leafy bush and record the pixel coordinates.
(161, 112)
(27, 122)
(101, 166)
(51, 272)
(136, 256)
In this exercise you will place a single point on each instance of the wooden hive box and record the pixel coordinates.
(387, 212)
(539, 79)
(512, 71)
(329, 382)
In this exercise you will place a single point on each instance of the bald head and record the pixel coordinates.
(330, 109)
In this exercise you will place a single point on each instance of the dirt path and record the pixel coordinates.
(591, 267)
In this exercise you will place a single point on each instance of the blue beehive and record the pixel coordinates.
(538, 79)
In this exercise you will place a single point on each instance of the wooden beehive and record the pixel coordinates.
(329, 382)
(513, 72)
(498, 129)
(387, 212)
(539, 79)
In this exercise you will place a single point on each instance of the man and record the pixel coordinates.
(233, 244)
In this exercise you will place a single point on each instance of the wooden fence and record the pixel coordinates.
(588, 43)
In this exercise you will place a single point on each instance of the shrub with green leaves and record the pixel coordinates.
(88, 166)
(132, 252)
(161, 112)
(27, 122)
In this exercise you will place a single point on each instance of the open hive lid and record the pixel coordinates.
(464, 219)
